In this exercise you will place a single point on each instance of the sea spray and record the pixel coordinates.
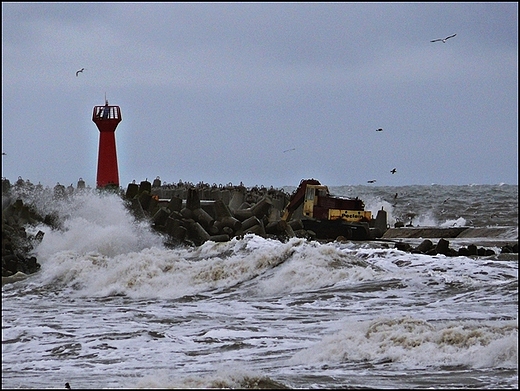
(98, 223)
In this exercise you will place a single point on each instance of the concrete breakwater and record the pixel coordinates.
(443, 247)
(485, 236)
(448, 232)
(193, 214)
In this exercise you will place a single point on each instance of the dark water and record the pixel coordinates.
(439, 205)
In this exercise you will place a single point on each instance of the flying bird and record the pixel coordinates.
(371, 181)
(393, 171)
(443, 40)
(287, 150)
(379, 130)
(81, 70)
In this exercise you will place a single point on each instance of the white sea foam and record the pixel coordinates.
(170, 273)
(460, 222)
(224, 376)
(414, 344)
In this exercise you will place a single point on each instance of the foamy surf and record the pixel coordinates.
(414, 343)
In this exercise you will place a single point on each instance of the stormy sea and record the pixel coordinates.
(113, 307)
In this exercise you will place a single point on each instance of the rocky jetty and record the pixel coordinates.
(17, 243)
(443, 247)
(191, 214)
(19, 221)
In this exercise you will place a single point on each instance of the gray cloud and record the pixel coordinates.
(216, 92)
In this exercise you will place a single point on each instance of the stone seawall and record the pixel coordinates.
(423, 232)
(487, 237)
(451, 232)
(192, 214)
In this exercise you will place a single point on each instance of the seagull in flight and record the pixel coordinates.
(379, 130)
(371, 181)
(393, 171)
(81, 70)
(443, 40)
(287, 150)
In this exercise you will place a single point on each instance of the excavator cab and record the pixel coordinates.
(312, 194)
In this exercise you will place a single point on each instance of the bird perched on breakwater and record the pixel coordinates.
(443, 40)
(67, 386)
(78, 72)
(393, 170)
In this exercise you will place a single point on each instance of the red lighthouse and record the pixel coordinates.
(107, 118)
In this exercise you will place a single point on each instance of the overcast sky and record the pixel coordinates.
(263, 93)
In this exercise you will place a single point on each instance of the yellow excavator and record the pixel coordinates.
(329, 216)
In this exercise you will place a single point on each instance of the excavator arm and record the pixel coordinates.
(297, 198)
